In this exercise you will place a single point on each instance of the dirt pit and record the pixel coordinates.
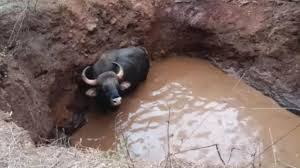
(203, 106)
(43, 50)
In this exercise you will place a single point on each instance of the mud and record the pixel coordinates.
(206, 107)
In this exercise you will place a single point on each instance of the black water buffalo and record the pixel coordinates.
(116, 72)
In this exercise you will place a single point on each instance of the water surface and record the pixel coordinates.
(206, 107)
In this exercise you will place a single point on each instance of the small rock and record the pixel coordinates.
(107, 32)
(70, 35)
(82, 41)
(113, 21)
(123, 44)
(105, 38)
(91, 27)
(85, 55)
(133, 43)
(71, 23)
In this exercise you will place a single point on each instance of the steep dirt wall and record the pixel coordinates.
(257, 40)
(53, 46)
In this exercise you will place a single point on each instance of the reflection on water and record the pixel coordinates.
(205, 108)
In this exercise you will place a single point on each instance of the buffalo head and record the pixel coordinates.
(107, 84)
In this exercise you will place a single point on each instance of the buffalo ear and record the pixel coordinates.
(91, 92)
(124, 85)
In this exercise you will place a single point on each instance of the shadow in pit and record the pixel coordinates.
(70, 105)
(71, 108)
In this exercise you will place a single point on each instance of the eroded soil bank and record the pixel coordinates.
(45, 46)
(206, 107)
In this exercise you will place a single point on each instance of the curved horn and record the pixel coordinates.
(92, 82)
(120, 74)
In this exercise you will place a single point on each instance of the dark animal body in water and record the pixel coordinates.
(115, 73)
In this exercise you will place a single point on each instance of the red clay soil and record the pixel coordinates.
(257, 40)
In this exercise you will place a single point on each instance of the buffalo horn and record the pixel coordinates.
(120, 74)
(92, 82)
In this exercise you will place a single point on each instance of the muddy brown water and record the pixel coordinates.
(206, 107)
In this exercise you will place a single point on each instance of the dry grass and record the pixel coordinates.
(18, 150)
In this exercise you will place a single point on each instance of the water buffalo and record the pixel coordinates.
(116, 72)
